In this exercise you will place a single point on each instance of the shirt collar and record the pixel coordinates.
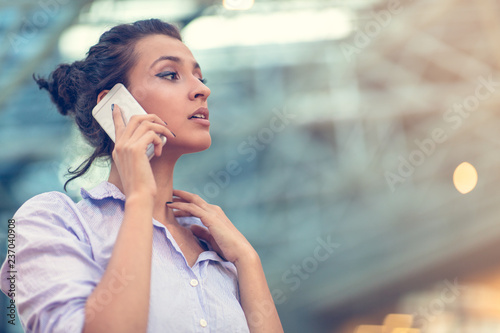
(102, 191)
(107, 190)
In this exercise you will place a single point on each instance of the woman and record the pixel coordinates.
(136, 255)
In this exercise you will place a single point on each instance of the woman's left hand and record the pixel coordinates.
(222, 235)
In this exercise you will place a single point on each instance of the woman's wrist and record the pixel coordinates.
(248, 258)
(142, 200)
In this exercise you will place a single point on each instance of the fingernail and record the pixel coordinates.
(173, 134)
(169, 202)
(165, 122)
(112, 107)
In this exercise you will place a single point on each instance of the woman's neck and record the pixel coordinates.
(163, 171)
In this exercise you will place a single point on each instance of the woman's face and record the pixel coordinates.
(167, 81)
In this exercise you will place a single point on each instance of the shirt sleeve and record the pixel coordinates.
(55, 270)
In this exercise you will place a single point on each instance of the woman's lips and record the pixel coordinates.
(203, 112)
(201, 121)
(200, 111)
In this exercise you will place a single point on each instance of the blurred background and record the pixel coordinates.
(356, 144)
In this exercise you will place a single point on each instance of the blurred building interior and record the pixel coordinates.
(345, 121)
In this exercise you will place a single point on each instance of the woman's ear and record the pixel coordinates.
(101, 95)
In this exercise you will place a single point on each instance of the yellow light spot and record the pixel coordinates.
(394, 323)
(465, 178)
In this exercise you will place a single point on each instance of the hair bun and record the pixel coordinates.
(75, 88)
(62, 85)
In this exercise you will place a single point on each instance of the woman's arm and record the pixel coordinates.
(256, 299)
(120, 302)
(127, 277)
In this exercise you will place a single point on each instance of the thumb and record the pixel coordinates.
(203, 233)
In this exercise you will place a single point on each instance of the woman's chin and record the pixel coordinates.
(195, 147)
(205, 146)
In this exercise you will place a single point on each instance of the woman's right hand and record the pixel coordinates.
(129, 154)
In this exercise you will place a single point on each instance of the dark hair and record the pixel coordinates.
(74, 87)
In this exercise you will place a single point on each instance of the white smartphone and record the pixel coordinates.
(120, 96)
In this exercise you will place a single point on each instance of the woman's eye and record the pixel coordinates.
(203, 80)
(167, 75)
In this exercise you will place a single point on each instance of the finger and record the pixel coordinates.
(146, 128)
(161, 122)
(178, 199)
(190, 197)
(143, 142)
(204, 233)
(159, 148)
(181, 213)
(139, 127)
(137, 120)
(190, 208)
(142, 127)
(118, 120)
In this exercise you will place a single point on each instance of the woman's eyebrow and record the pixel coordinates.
(174, 59)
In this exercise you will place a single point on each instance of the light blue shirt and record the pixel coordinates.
(62, 250)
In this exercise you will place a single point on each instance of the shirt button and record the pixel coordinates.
(194, 282)
(203, 323)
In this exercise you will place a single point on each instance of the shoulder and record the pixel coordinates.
(49, 203)
(50, 212)
(52, 203)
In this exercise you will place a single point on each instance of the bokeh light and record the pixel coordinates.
(465, 178)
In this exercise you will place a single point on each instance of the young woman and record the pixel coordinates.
(136, 255)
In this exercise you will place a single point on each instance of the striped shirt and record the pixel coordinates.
(63, 249)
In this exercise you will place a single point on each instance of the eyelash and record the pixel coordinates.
(165, 74)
